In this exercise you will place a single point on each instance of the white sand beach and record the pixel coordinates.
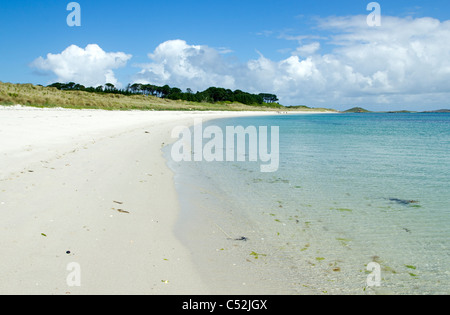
(91, 189)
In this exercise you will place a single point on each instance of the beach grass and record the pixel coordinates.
(40, 96)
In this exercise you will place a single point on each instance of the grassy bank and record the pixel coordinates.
(40, 96)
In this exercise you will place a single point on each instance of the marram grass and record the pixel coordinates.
(40, 96)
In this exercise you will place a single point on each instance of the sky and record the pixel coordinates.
(315, 53)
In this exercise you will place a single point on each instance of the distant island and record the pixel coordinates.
(357, 110)
(439, 111)
(363, 110)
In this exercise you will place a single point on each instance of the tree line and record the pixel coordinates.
(210, 95)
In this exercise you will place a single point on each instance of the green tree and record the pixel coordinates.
(269, 98)
(109, 87)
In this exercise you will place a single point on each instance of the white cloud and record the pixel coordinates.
(307, 50)
(404, 57)
(91, 66)
(406, 61)
(197, 67)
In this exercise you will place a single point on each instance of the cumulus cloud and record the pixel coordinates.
(177, 63)
(307, 50)
(404, 58)
(91, 66)
(405, 61)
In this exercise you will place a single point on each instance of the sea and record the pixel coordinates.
(360, 204)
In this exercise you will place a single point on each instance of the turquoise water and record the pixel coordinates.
(351, 189)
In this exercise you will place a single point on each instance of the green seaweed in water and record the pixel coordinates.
(344, 210)
(305, 248)
(320, 258)
(343, 241)
(256, 255)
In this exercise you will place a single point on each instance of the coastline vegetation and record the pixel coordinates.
(151, 97)
(139, 97)
(210, 95)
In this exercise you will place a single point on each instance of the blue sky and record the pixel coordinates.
(300, 50)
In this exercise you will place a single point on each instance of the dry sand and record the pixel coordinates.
(91, 187)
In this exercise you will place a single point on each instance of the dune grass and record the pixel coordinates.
(40, 96)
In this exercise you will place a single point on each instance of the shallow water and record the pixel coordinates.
(351, 189)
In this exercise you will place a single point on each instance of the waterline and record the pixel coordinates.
(351, 192)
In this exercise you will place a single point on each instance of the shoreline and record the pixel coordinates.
(231, 252)
(313, 227)
(97, 193)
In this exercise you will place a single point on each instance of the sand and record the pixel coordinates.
(88, 204)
